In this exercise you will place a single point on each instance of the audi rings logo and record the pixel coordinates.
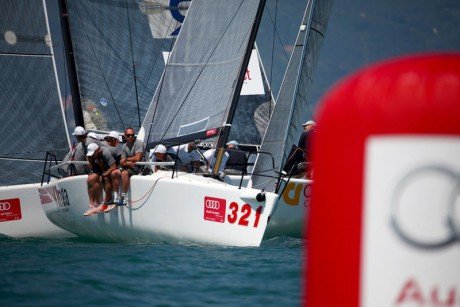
(212, 204)
(5, 206)
(425, 210)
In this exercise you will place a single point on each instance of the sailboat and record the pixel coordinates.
(196, 98)
(285, 126)
(32, 117)
(108, 98)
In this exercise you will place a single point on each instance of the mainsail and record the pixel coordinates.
(118, 47)
(291, 108)
(195, 94)
(33, 90)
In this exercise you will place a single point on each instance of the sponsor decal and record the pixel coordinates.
(446, 230)
(411, 222)
(214, 209)
(293, 193)
(412, 294)
(10, 210)
(211, 132)
(53, 194)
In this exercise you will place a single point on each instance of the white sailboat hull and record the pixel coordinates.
(21, 213)
(291, 213)
(188, 208)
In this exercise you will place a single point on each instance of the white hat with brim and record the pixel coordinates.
(92, 149)
(79, 131)
(113, 134)
(235, 143)
(310, 122)
(93, 135)
(159, 149)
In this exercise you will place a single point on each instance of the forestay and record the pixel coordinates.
(291, 108)
(118, 47)
(197, 88)
(31, 117)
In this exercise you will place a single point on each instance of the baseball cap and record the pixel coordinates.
(92, 149)
(93, 135)
(310, 122)
(159, 149)
(79, 130)
(113, 134)
(235, 143)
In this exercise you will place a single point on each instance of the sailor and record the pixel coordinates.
(159, 154)
(309, 128)
(237, 161)
(187, 156)
(210, 156)
(132, 152)
(112, 142)
(92, 138)
(102, 164)
(77, 153)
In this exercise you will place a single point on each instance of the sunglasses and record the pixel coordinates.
(129, 135)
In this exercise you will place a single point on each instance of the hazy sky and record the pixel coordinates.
(360, 32)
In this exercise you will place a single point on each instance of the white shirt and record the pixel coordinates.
(210, 156)
(185, 157)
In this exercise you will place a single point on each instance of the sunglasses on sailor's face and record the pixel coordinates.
(129, 135)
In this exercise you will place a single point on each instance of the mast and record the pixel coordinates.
(239, 84)
(76, 103)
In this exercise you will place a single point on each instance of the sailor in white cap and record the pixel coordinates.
(102, 164)
(77, 153)
(159, 154)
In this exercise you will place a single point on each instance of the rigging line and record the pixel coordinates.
(277, 34)
(22, 159)
(38, 55)
(273, 41)
(273, 53)
(204, 66)
(98, 64)
(134, 66)
(159, 55)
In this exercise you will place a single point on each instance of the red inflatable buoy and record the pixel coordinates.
(384, 222)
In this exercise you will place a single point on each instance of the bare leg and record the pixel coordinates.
(92, 182)
(108, 190)
(116, 180)
(125, 181)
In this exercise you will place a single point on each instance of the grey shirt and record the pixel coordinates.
(130, 151)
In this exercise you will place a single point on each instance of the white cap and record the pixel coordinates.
(113, 134)
(92, 149)
(235, 143)
(159, 149)
(79, 130)
(310, 122)
(93, 135)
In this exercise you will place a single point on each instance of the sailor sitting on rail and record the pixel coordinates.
(102, 164)
(132, 152)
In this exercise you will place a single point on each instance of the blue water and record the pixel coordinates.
(75, 272)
